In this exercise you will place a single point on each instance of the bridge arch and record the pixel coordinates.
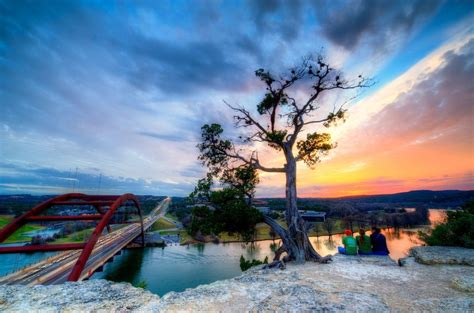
(86, 252)
(18, 222)
(104, 217)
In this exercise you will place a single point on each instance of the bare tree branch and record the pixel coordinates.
(255, 162)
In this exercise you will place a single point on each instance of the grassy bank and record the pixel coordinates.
(19, 235)
(79, 236)
(162, 224)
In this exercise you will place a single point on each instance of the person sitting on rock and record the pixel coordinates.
(363, 242)
(350, 244)
(379, 243)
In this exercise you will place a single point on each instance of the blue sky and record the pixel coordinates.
(119, 90)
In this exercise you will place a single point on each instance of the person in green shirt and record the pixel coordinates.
(363, 242)
(350, 244)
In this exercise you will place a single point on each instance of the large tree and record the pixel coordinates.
(281, 118)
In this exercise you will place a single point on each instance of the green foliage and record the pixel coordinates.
(243, 178)
(264, 76)
(214, 150)
(148, 204)
(246, 264)
(230, 212)
(202, 191)
(457, 231)
(313, 147)
(179, 208)
(266, 104)
(233, 214)
(333, 118)
(276, 138)
(202, 220)
(271, 101)
(5, 220)
(141, 284)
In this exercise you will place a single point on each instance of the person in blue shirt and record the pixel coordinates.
(379, 243)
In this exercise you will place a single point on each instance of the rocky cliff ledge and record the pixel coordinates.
(358, 284)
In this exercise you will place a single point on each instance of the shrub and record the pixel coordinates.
(141, 284)
(246, 264)
(457, 231)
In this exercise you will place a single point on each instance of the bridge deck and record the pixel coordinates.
(55, 270)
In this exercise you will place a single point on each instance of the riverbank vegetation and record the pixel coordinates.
(21, 234)
(458, 230)
(341, 214)
(335, 224)
(77, 236)
(162, 224)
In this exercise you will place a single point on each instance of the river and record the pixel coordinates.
(176, 268)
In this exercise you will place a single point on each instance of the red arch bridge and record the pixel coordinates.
(79, 261)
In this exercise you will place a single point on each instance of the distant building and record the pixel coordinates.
(313, 216)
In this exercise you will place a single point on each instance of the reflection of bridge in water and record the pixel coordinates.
(83, 259)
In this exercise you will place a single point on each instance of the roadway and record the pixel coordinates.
(56, 269)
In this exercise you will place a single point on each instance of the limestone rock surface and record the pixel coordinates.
(348, 284)
(443, 255)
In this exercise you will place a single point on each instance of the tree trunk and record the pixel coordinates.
(295, 238)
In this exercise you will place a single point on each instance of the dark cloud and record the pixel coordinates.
(94, 37)
(59, 41)
(278, 17)
(347, 23)
(183, 69)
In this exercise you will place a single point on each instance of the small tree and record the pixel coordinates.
(283, 118)
(349, 221)
(328, 225)
(318, 229)
(243, 178)
(224, 210)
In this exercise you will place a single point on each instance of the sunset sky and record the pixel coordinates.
(116, 92)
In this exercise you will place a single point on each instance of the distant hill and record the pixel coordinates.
(416, 196)
(445, 199)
